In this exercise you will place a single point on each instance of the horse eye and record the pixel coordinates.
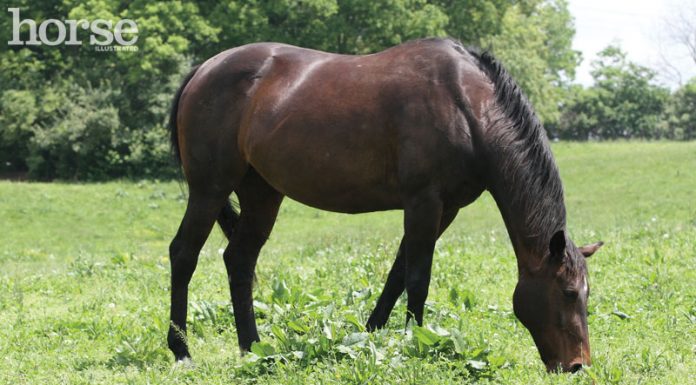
(570, 294)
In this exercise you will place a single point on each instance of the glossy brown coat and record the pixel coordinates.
(426, 127)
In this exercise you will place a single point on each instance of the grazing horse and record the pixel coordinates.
(424, 127)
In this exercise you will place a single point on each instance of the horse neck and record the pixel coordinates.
(526, 186)
(522, 174)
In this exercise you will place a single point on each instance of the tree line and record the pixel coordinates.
(74, 112)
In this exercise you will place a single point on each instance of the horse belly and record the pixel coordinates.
(328, 164)
(329, 185)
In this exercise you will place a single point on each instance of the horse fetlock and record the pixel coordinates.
(176, 340)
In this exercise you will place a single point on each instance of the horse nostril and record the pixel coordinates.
(574, 368)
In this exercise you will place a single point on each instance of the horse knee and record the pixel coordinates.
(240, 278)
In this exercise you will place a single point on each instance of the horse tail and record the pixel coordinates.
(228, 219)
(173, 129)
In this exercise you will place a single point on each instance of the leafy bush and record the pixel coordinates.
(18, 113)
(68, 131)
(76, 134)
(624, 102)
(680, 114)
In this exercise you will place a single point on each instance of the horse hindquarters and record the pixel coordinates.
(206, 120)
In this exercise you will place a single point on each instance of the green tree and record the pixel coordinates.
(56, 83)
(369, 26)
(79, 134)
(343, 26)
(18, 112)
(534, 42)
(624, 102)
(680, 114)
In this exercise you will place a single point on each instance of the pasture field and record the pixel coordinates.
(84, 279)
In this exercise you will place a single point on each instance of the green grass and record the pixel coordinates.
(84, 278)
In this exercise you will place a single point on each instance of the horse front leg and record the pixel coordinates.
(392, 290)
(422, 217)
(396, 281)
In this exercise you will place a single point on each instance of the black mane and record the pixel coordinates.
(530, 178)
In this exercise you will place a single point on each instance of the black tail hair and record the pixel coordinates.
(228, 219)
(173, 129)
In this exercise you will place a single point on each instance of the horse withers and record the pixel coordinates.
(424, 127)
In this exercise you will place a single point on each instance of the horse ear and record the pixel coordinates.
(557, 245)
(588, 250)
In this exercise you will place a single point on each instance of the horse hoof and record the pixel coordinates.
(185, 363)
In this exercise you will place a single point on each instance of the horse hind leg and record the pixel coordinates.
(259, 204)
(201, 213)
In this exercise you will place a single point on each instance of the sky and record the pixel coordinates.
(638, 26)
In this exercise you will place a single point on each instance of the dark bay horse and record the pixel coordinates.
(425, 127)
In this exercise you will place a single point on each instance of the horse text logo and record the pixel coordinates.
(101, 35)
